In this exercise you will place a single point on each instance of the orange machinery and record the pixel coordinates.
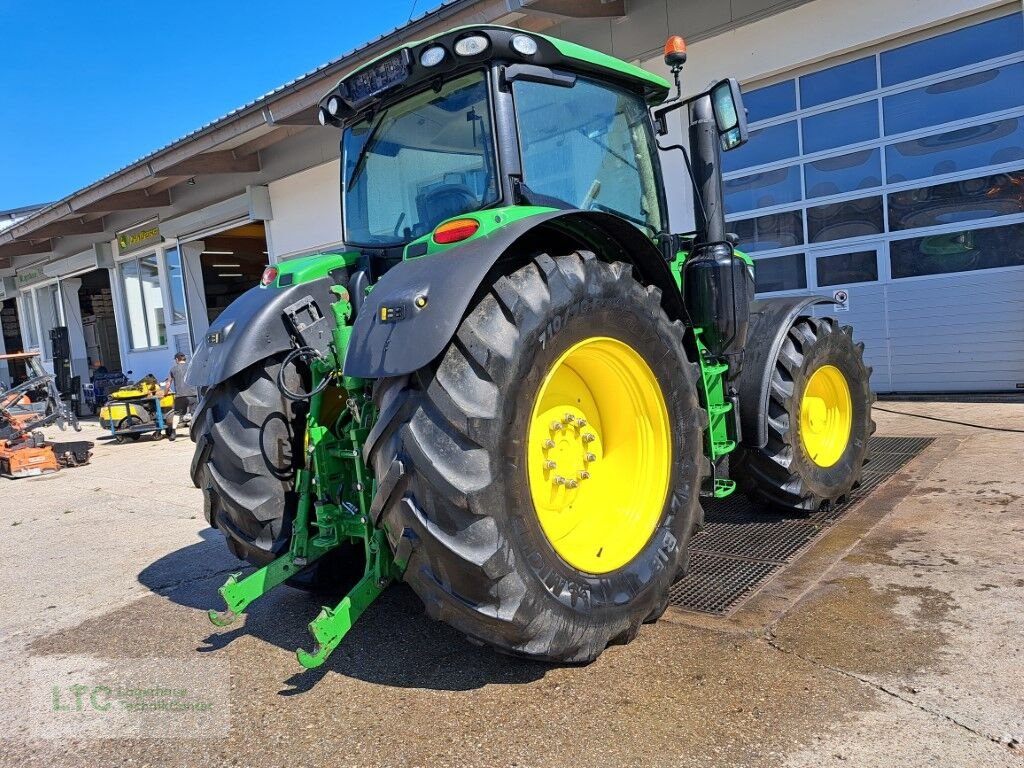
(25, 409)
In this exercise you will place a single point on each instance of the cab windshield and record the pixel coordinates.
(409, 167)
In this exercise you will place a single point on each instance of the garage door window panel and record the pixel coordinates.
(843, 173)
(840, 82)
(962, 251)
(766, 145)
(959, 98)
(941, 53)
(780, 273)
(768, 232)
(778, 186)
(955, 151)
(984, 197)
(770, 101)
(849, 218)
(840, 127)
(846, 268)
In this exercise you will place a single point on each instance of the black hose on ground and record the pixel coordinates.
(948, 421)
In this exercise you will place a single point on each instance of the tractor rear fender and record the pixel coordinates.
(253, 328)
(770, 320)
(414, 310)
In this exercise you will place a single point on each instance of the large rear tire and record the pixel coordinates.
(819, 421)
(249, 441)
(543, 540)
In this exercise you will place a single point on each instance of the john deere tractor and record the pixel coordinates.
(515, 383)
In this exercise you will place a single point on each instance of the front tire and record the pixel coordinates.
(819, 421)
(483, 484)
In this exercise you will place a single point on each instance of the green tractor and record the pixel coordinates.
(514, 384)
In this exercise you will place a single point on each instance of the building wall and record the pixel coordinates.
(307, 212)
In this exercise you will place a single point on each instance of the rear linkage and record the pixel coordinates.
(335, 490)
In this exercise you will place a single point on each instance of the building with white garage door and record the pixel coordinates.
(895, 175)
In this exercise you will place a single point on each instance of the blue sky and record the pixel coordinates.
(86, 88)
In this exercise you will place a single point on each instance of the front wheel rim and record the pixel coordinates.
(826, 416)
(599, 454)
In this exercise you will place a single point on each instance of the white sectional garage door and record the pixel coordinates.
(897, 177)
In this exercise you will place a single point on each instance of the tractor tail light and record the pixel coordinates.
(455, 231)
(269, 276)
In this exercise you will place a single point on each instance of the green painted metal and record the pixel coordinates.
(314, 267)
(335, 489)
(490, 221)
(718, 440)
(658, 86)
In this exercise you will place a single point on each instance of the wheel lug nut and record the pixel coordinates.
(590, 457)
(588, 438)
(571, 484)
(549, 465)
(581, 423)
(559, 480)
(584, 475)
(568, 418)
(549, 443)
(556, 425)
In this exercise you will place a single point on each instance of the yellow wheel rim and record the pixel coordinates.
(826, 416)
(599, 454)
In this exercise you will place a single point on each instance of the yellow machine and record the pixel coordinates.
(132, 410)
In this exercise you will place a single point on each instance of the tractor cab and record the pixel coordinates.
(491, 118)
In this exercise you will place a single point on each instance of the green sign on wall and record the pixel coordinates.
(139, 237)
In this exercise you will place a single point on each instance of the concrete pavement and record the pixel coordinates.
(904, 645)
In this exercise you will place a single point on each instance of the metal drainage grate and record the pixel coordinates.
(741, 545)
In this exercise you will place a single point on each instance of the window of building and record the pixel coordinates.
(926, 136)
(780, 273)
(838, 82)
(843, 173)
(941, 53)
(144, 304)
(983, 197)
(770, 101)
(848, 218)
(28, 306)
(766, 145)
(844, 268)
(176, 284)
(963, 251)
(771, 231)
(978, 93)
(48, 298)
(763, 190)
(961, 150)
(839, 127)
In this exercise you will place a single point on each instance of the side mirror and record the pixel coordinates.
(730, 116)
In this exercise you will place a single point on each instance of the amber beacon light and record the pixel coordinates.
(675, 51)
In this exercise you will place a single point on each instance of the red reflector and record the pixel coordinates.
(454, 231)
(269, 276)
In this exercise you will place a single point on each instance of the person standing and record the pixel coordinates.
(184, 393)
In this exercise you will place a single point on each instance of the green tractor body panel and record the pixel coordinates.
(489, 221)
(314, 267)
